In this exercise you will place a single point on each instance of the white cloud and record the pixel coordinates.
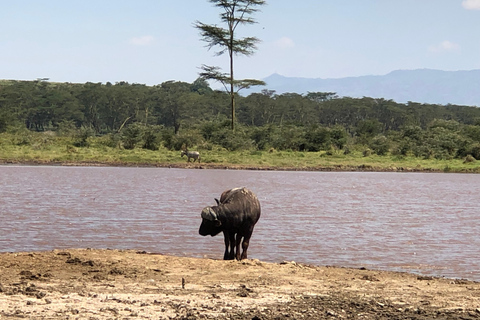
(141, 41)
(444, 46)
(284, 43)
(471, 4)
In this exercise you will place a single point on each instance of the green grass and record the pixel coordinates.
(44, 149)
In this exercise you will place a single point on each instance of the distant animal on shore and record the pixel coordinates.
(235, 214)
(191, 154)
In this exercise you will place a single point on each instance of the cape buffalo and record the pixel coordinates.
(235, 214)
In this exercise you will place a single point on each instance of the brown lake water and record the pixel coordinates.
(425, 223)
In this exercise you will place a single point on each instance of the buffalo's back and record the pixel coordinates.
(241, 204)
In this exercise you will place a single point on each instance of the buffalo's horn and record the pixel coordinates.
(209, 214)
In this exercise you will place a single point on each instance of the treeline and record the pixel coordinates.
(178, 115)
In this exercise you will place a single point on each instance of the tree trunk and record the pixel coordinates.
(232, 92)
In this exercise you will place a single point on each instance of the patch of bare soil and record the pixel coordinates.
(113, 284)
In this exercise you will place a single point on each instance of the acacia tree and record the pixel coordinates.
(234, 13)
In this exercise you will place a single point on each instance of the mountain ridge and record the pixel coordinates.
(420, 85)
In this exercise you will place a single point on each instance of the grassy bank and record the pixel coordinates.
(62, 150)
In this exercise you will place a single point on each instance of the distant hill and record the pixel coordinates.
(422, 85)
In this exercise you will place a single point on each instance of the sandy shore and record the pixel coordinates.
(127, 284)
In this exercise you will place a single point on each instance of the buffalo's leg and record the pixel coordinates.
(226, 238)
(237, 246)
(245, 242)
(231, 256)
(229, 245)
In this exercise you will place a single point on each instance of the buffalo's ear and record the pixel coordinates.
(218, 202)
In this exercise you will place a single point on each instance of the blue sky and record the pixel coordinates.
(152, 41)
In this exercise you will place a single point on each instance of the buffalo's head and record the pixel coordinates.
(211, 225)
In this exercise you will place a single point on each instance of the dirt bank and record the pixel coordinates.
(191, 165)
(112, 284)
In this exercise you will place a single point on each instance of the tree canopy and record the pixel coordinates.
(178, 114)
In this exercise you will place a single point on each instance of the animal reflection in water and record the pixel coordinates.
(235, 214)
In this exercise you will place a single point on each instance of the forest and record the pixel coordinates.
(178, 115)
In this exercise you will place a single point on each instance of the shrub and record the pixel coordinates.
(21, 136)
(475, 151)
(139, 135)
(414, 133)
(3, 124)
(316, 138)
(151, 138)
(8, 120)
(182, 140)
(132, 135)
(208, 129)
(262, 136)
(112, 140)
(443, 155)
(82, 136)
(339, 136)
(168, 138)
(444, 144)
(423, 151)
(67, 129)
(380, 145)
(450, 125)
(288, 137)
(232, 140)
(367, 153)
(403, 147)
(367, 129)
(473, 132)
(469, 159)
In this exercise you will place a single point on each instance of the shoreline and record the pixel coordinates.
(206, 166)
(108, 283)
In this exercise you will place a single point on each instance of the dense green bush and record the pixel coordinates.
(288, 137)
(112, 140)
(3, 124)
(380, 145)
(316, 138)
(152, 137)
(262, 136)
(413, 133)
(233, 140)
(472, 132)
(209, 128)
(82, 136)
(181, 141)
(67, 128)
(450, 125)
(21, 136)
(132, 135)
(367, 129)
(339, 137)
(474, 150)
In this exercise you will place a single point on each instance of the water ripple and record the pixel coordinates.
(426, 223)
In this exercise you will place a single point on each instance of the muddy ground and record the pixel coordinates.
(196, 165)
(128, 284)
